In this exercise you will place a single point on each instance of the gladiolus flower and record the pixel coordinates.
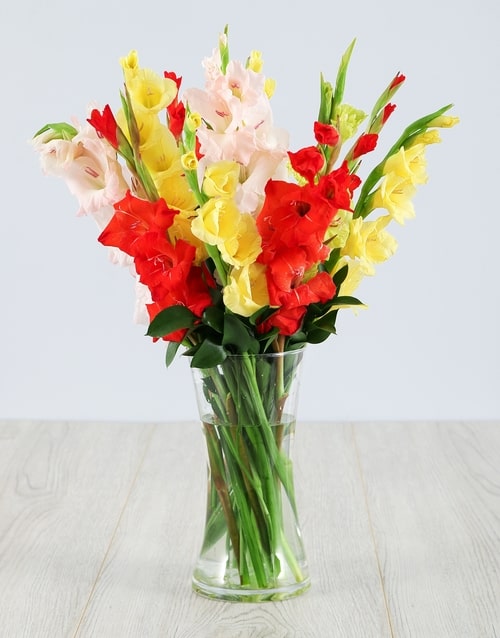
(133, 218)
(150, 92)
(221, 179)
(444, 121)
(105, 125)
(216, 221)
(189, 161)
(388, 110)
(348, 120)
(242, 248)
(287, 320)
(246, 290)
(366, 143)
(408, 163)
(395, 195)
(254, 62)
(130, 64)
(325, 134)
(369, 242)
(307, 162)
(398, 79)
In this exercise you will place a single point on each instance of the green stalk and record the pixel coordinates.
(217, 472)
(248, 469)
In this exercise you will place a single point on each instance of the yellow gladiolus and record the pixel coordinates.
(269, 87)
(255, 62)
(395, 194)
(246, 291)
(243, 248)
(173, 188)
(181, 229)
(370, 242)
(444, 121)
(337, 233)
(408, 164)
(217, 221)
(427, 137)
(220, 223)
(189, 161)
(151, 92)
(158, 147)
(193, 121)
(130, 65)
(221, 179)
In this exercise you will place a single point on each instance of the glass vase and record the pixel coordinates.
(252, 547)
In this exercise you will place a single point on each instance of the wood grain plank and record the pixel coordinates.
(63, 491)
(14, 436)
(434, 499)
(145, 587)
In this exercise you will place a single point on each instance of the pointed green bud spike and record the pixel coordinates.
(341, 76)
(224, 49)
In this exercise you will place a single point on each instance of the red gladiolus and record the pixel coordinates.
(176, 117)
(105, 125)
(192, 293)
(293, 303)
(139, 228)
(319, 288)
(366, 143)
(286, 271)
(176, 110)
(172, 278)
(322, 287)
(388, 110)
(161, 266)
(133, 218)
(338, 187)
(171, 75)
(326, 134)
(287, 320)
(398, 79)
(307, 162)
(294, 216)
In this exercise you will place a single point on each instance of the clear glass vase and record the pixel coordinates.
(252, 546)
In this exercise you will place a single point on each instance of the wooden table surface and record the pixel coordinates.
(100, 526)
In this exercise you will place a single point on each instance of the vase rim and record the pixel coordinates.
(266, 355)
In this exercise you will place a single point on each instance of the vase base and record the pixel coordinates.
(241, 595)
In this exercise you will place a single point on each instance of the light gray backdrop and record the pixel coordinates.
(426, 347)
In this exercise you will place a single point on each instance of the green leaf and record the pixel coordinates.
(339, 277)
(214, 318)
(170, 319)
(208, 355)
(346, 300)
(237, 334)
(261, 314)
(268, 338)
(297, 337)
(327, 322)
(171, 351)
(332, 260)
(317, 335)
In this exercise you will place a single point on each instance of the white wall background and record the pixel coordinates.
(428, 345)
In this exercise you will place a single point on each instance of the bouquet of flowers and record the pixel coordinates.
(240, 246)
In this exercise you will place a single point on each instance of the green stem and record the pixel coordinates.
(217, 473)
(249, 467)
